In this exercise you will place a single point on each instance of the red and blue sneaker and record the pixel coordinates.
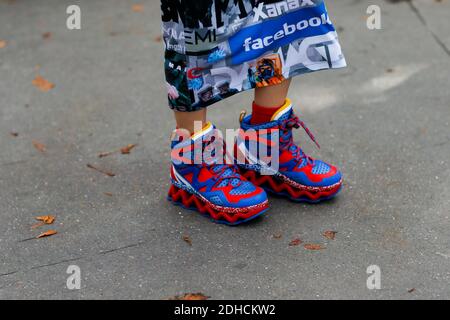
(214, 189)
(295, 175)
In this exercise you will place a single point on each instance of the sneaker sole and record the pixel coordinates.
(297, 194)
(220, 215)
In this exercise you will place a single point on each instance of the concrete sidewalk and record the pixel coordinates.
(384, 121)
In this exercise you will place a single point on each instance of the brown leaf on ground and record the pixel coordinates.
(47, 234)
(295, 242)
(108, 173)
(331, 235)
(37, 225)
(158, 39)
(277, 236)
(187, 239)
(39, 146)
(124, 150)
(137, 8)
(46, 219)
(42, 84)
(190, 296)
(127, 149)
(108, 194)
(314, 247)
(49, 219)
(47, 35)
(411, 290)
(14, 134)
(2, 44)
(105, 154)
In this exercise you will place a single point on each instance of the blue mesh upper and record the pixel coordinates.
(245, 188)
(223, 184)
(321, 168)
(235, 182)
(216, 200)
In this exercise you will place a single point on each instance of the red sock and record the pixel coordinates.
(262, 114)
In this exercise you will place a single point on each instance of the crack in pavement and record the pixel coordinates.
(55, 263)
(440, 144)
(122, 248)
(425, 24)
(101, 253)
(8, 273)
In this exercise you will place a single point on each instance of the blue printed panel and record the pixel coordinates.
(253, 41)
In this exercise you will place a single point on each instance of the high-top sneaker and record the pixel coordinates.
(203, 183)
(296, 175)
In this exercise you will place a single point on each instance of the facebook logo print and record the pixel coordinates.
(253, 41)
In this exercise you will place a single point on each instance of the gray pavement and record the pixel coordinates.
(384, 121)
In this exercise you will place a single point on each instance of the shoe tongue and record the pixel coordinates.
(284, 112)
(180, 141)
(206, 131)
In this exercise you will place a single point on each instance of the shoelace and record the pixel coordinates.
(287, 139)
(223, 172)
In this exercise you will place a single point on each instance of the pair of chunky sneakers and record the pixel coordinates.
(232, 194)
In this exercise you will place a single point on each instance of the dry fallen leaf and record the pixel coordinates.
(190, 296)
(109, 194)
(187, 239)
(47, 35)
(124, 150)
(108, 173)
(295, 242)
(14, 134)
(39, 146)
(137, 8)
(2, 44)
(105, 154)
(411, 290)
(331, 235)
(277, 236)
(46, 219)
(43, 84)
(314, 247)
(47, 234)
(127, 149)
(37, 225)
(43, 221)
